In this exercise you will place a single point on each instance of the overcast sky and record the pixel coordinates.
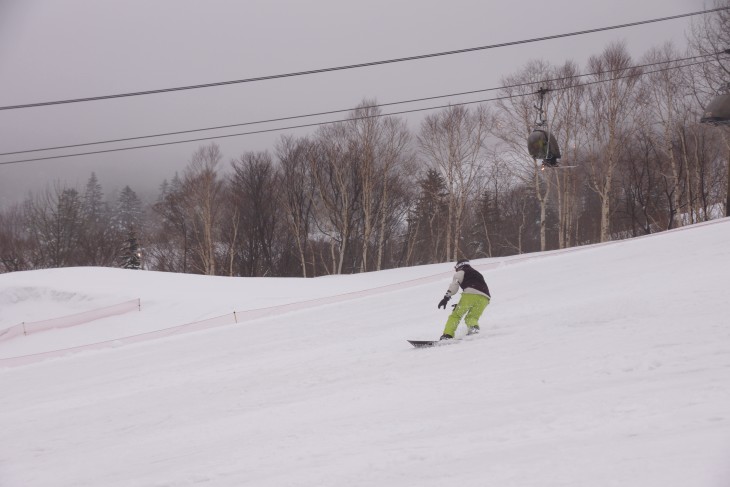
(65, 49)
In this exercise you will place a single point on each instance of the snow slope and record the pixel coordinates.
(599, 366)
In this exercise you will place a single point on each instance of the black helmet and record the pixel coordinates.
(461, 263)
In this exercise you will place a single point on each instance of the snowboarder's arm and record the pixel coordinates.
(454, 287)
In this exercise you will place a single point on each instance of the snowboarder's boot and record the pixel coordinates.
(446, 337)
(473, 330)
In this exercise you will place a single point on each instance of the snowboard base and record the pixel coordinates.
(429, 343)
(438, 343)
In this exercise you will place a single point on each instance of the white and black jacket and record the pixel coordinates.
(470, 281)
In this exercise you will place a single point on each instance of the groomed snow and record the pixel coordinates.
(598, 366)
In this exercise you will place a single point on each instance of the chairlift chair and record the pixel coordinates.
(718, 110)
(541, 144)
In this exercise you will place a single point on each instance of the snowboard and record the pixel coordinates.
(439, 343)
(430, 343)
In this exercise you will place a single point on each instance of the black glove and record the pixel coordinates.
(442, 303)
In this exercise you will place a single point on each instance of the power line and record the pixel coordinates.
(403, 112)
(331, 112)
(362, 65)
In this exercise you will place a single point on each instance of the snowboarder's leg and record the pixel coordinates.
(455, 317)
(477, 305)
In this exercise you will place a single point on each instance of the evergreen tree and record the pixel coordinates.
(127, 222)
(97, 243)
(428, 223)
(131, 255)
(65, 228)
(128, 212)
(92, 201)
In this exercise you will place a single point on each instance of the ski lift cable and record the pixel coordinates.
(361, 65)
(331, 122)
(332, 112)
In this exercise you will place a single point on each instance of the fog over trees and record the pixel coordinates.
(369, 194)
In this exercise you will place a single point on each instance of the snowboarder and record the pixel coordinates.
(474, 299)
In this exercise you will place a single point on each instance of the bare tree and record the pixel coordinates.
(55, 223)
(364, 129)
(664, 94)
(517, 118)
(609, 119)
(172, 235)
(332, 165)
(567, 123)
(518, 205)
(396, 164)
(710, 36)
(253, 185)
(453, 141)
(296, 194)
(380, 148)
(201, 190)
(15, 246)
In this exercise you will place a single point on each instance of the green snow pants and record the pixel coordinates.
(473, 306)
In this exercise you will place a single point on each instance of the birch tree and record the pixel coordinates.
(172, 235)
(453, 141)
(609, 118)
(517, 118)
(567, 123)
(379, 147)
(201, 191)
(296, 193)
(663, 93)
(396, 167)
(332, 166)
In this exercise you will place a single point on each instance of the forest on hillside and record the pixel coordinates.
(369, 193)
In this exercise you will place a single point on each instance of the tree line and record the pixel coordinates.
(369, 194)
